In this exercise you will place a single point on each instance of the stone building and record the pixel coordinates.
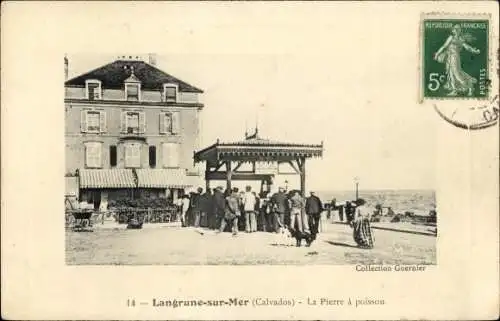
(131, 130)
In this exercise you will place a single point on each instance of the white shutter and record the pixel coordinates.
(98, 155)
(93, 155)
(175, 155)
(170, 155)
(103, 125)
(83, 121)
(165, 154)
(142, 122)
(176, 123)
(124, 122)
(162, 123)
(133, 155)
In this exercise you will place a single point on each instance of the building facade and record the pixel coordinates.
(131, 130)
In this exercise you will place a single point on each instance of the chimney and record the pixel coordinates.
(152, 59)
(66, 67)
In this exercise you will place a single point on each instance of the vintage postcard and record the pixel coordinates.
(253, 160)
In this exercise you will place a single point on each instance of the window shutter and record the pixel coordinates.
(93, 155)
(165, 155)
(98, 155)
(133, 155)
(102, 118)
(170, 155)
(124, 122)
(112, 155)
(83, 121)
(162, 123)
(142, 122)
(176, 123)
(175, 155)
(152, 156)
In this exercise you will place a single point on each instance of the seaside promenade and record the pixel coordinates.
(173, 245)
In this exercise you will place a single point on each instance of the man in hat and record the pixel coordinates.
(249, 201)
(314, 207)
(279, 203)
(232, 212)
(218, 205)
(196, 206)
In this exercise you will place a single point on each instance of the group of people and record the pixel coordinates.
(245, 210)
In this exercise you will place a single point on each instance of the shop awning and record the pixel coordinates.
(162, 178)
(106, 178)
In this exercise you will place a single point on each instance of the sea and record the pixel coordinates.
(420, 202)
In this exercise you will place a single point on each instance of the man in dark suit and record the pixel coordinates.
(314, 207)
(218, 207)
(279, 203)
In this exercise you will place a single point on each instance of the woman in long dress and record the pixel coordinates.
(362, 232)
(457, 80)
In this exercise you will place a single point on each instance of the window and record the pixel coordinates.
(93, 89)
(93, 155)
(133, 155)
(93, 121)
(133, 122)
(112, 156)
(152, 156)
(170, 155)
(170, 92)
(132, 91)
(169, 123)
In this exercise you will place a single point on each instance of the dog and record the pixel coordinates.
(292, 237)
(299, 236)
(284, 237)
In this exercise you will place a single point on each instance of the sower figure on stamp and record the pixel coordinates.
(457, 80)
(314, 208)
(232, 212)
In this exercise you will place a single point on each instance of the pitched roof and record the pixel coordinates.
(256, 148)
(114, 74)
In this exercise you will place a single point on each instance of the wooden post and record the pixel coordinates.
(302, 168)
(229, 173)
(207, 181)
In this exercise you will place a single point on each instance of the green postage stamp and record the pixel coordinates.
(455, 56)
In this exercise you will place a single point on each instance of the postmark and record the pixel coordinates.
(456, 68)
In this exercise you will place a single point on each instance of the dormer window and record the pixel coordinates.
(93, 88)
(132, 87)
(170, 92)
(132, 91)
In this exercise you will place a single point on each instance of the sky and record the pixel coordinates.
(354, 89)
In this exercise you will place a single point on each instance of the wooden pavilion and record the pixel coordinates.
(220, 158)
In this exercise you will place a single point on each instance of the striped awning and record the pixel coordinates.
(106, 178)
(162, 178)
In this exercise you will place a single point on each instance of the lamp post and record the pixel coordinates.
(356, 181)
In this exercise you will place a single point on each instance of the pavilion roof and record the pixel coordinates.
(255, 148)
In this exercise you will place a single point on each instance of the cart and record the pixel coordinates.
(78, 220)
(82, 222)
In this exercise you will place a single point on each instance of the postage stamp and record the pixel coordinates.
(455, 58)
